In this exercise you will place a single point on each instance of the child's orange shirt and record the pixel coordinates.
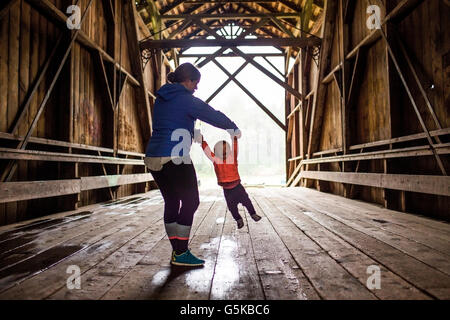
(226, 170)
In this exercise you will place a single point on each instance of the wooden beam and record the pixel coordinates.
(103, 77)
(228, 16)
(181, 28)
(142, 98)
(226, 1)
(282, 27)
(306, 15)
(188, 43)
(367, 41)
(55, 143)
(344, 79)
(230, 54)
(384, 154)
(330, 76)
(272, 65)
(230, 78)
(393, 153)
(358, 70)
(172, 5)
(20, 191)
(260, 104)
(403, 9)
(436, 185)
(287, 87)
(254, 63)
(320, 89)
(91, 183)
(419, 83)
(186, 23)
(111, 194)
(33, 155)
(253, 28)
(417, 136)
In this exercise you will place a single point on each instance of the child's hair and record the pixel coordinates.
(185, 71)
(220, 147)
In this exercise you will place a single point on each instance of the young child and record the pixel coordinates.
(226, 167)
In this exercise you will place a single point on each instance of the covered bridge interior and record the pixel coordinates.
(367, 127)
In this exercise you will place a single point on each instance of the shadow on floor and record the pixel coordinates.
(175, 272)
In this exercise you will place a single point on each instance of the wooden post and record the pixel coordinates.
(320, 89)
(136, 65)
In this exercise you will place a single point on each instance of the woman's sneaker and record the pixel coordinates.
(186, 259)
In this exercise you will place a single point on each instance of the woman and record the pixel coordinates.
(175, 111)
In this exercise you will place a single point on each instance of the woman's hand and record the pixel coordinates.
(236, 133)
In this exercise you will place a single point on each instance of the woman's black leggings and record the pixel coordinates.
(179, 188)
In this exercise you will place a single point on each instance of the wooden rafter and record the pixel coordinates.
(231, 16)
(259, 103)
(254, 63)
(231, 77)
(186, 43)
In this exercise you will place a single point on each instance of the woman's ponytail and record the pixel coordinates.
(186, 71)
(171, 77)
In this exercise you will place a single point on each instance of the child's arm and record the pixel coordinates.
(207, 150)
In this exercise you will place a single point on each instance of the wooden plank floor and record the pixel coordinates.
(309, 245)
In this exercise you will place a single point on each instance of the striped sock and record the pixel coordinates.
(171, 230)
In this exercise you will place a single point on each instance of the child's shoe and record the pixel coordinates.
(240, 223)
(255, 217)
(186, 259)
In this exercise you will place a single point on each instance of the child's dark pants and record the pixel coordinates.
(234, 197)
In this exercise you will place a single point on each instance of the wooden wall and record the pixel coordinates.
(381, 109)
(78, 110)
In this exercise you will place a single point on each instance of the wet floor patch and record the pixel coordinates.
(380, 221)
(40, 262)
(140, 200)
(14, 243)
(36, 227)
(116, 202)
(41, 224)
(81, 214)
(11, 259)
